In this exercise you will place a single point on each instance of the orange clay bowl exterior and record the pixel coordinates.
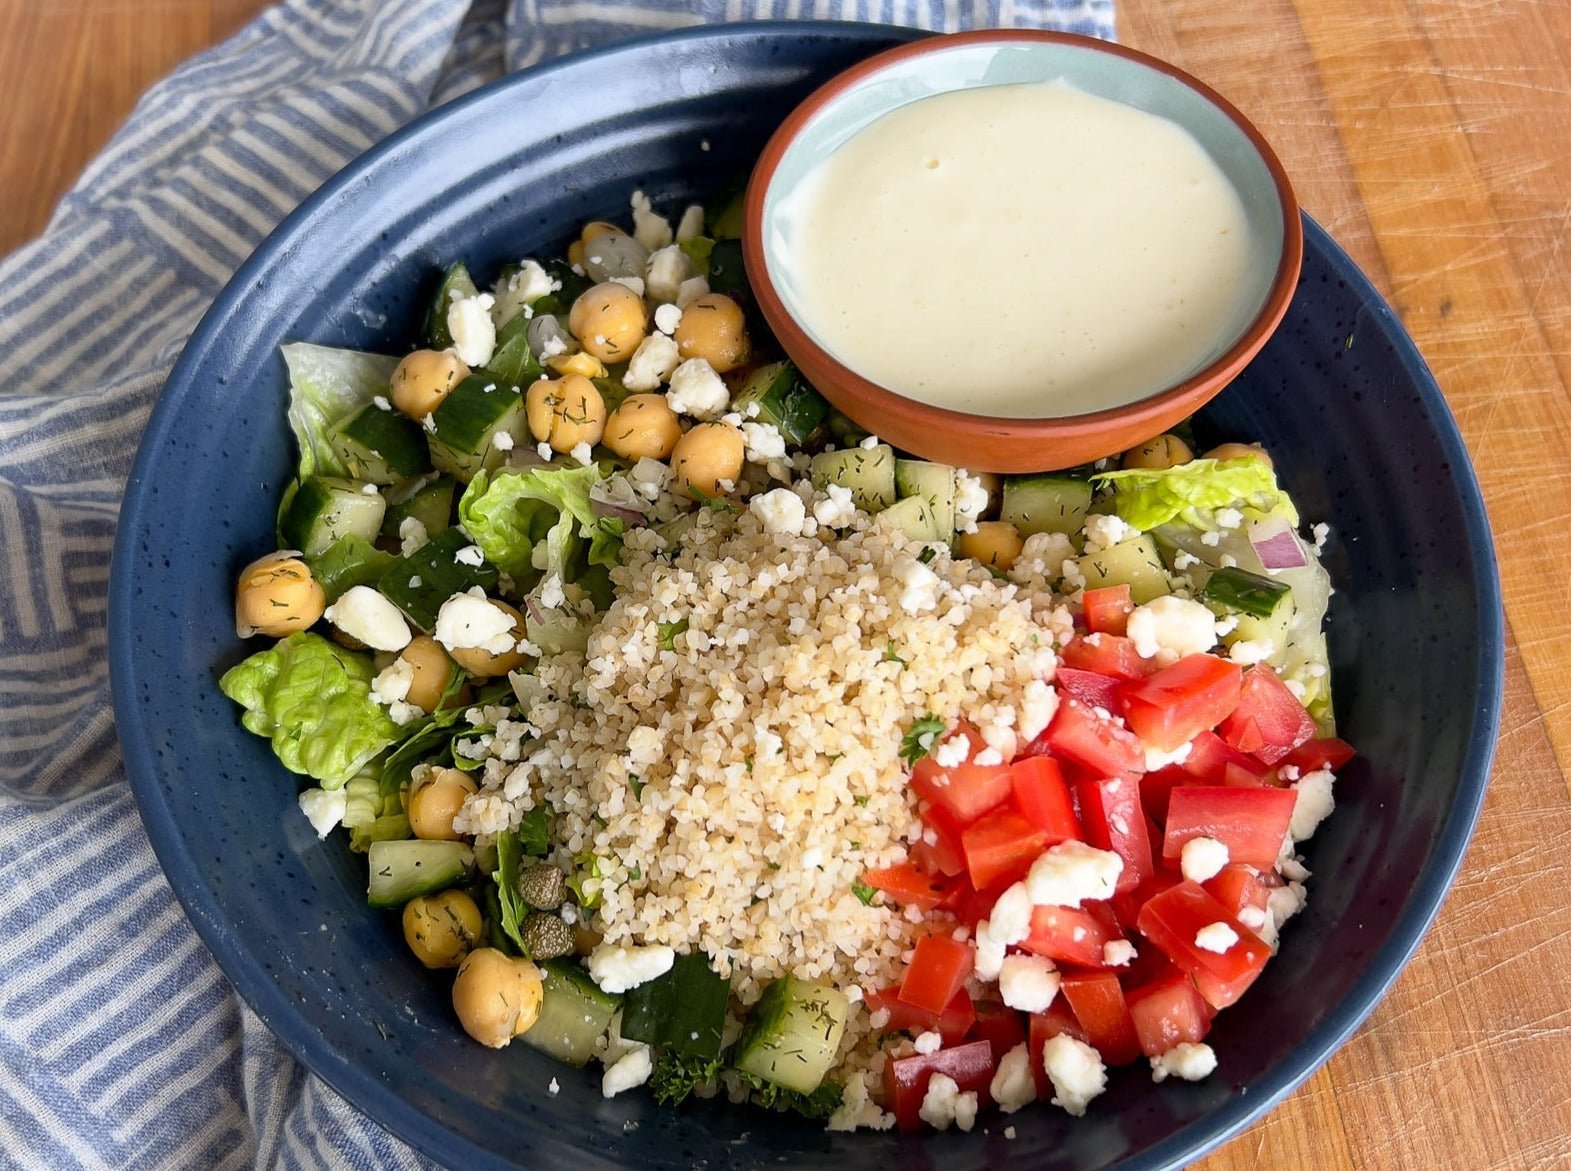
(981, 442)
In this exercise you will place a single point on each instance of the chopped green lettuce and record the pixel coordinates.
(513, 910)
(1146, 497)
(326, 386)
(509, 513)
(312, 699)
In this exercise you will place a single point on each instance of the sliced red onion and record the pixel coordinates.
(1277, 545)
(534, 609)
(615, 497)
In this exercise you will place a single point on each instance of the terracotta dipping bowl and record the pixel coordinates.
(866, 92)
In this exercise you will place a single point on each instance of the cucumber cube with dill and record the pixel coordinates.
(792, 1034)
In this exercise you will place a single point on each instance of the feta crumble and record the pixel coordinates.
(952, 753)
(470, 555)
(857, 1110)
(616, 969)
(366, 615)
(971, 501)
(652, 363)
(324, 809)
(835, 509)
(1028, 982)
(1118, 953)
(1313, 805)
(781, 511)
(411, 535)
(1105, 531)
(474, 333)
(920, 586)
(692, 288)
(989, 952)
(1013, 1085)
(697, 391)
(1202, 859)
(944, 1105)
(631, 1069)
(1072, 872)
(667, 318)
(1216, 937)
(1171, 627)
(928, 1042)
(764, 442)
(1249, 651)
(470, 621)
(1076, 1071)
(1187, 1060)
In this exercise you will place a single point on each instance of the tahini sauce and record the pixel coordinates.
(1020, 251)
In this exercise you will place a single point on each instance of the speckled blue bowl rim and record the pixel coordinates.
(364, 1090)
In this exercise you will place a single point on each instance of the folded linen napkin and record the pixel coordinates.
(122, 1046)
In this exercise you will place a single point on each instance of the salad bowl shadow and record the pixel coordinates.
(1361, 436)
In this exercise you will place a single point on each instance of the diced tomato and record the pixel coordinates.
(1068, 934)
(1250, 822)
(1269, 721)
(1167, 1011)
(1126, 904)
(1107, 609)
(1044, 1026)
(1326, 752)
(1209, 756)
(944, 854)
(1105, 654)
(1174, 918)
(966, 790)
(1098, 1003)
(1043, 799)
(1114, 820)
(1236, 776)
(1171, 707)
(1098, 745)
(1001, 846)
(1155, 787)
(952, 1024)
(1238, 886)
(1000, 1026)
(1091, 689)
(908, 886)
(905, 1080)
(938, 970)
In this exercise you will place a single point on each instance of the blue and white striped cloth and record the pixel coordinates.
(121, 1044)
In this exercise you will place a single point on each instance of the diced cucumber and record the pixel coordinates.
(933, 483)
(456, 283)
(429, 501)
(1275, 628)
(1248, 593)
(346, 563)
(846, 431)
(513, 362)
(323, 508)
(792, 1034)
(404, 870)
(465, 424)
(682, 1011)
(784, 400)
(869, 472)
(1045, 504)
(726, 274)
(419, 583)
(574, 1013)
(1133, 562)
(382, 446)
(914, 517)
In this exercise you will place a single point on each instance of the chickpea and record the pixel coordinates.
(577, 362)
(481, 663)
(996, 544)
(1241, 451)
(441, 929)
(1164, 451)
(707, 454)
(643, 426)
(594, 229)
(435, 799)
(609, 321)
(497, 997)
(433, 672)
(713, 328)
(565, 412)
(575, 254)
(424, 378)
(276, 596)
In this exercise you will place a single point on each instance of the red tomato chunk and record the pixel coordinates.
(1043, 799)
(965, 790)
(1097, 999)
(1107, 610)
(1173, 919)
(1269, 721)
(1098, 745)
(1064, 933)
(1105, 654)
(952, 1024)
(1250, 822)
(1166, 1012)
(938, 970)
(1000, 1026)
(905, 1080)
(1114, 820)
(1091, 689)
(1177, 703)
(1328, 752)
(908, 886)
(1000, 846)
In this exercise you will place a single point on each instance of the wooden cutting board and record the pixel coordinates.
(1433, 139)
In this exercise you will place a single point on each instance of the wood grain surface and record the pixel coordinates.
(1430, 137)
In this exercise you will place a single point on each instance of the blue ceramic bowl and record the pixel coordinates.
(1339, 395)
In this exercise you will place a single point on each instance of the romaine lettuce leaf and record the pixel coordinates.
(1189, 492)
(326, 386)
(312, 699)
(509, 513)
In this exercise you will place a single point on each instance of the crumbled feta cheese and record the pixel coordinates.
(411, 535)
(631, 1069)
(1038, 705)
(989, 952)
(781, 510)
(1028, 982)
(764, 442)
(952, 753)
(835, 509)
(1202, 859)
(1249, 651)
(667, 318)
(1043, 555)
(1013, 1085)
(928, 1042)
(1183, 560)
(692, 224)
(1118, 953)
(944, 1105)
(1226, 625)
(470, 621)
(1281, 905)
(366, 615)
(692, 288)
(1188, 1060)
(381, 402)
(471, 555)
(1072, 872)
(857, 1110)
(1228, 518)
(989, 756)
(392, 684)
(650, 229)
(1217, 937)
(1173, 627)
(1211, 538)
(583, 455)
(697, 390)
(1105, 531)
(531, 282)
(553, 1087)
(554, 345)
(667, 268)
(649, 476)
(544, 450)
(474, 333)
(1314, 804)
(1252, 917)
(1320, 532)
(1076, 1071)
(502, 441)
(651, 364)
(920, 586)
(971, 501)
(616, 969)
(636, 283)
(324, 809)
(551, 593)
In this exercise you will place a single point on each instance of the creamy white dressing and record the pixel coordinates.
(1021, 251)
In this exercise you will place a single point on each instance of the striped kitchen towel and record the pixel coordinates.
(121, 1044)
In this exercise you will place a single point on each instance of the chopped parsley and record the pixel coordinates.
(890, 656)
(864, 892)
(637, 786)
(667, 632)
(675, 1076)
(918, 740)
(821, 1103)
(927, 554)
